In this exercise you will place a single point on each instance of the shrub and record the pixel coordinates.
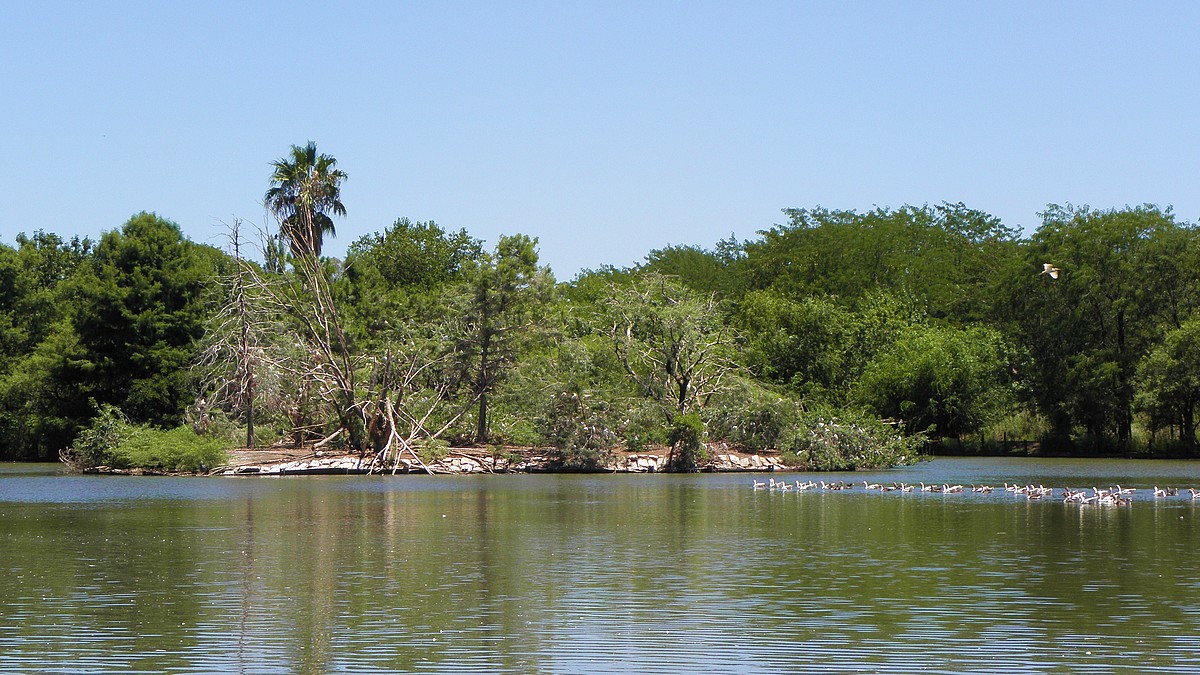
(503, 454)
(579, 431)
(111, 440)
(642, 427)
(178, 449)
(752, 418)
(827, 443)
(687, 443)
(1019, 425)
(95, 443)
(433, 450)
(514, 430)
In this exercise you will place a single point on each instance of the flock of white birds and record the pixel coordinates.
(1111, 496)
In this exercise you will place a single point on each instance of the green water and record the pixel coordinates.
(568, 574)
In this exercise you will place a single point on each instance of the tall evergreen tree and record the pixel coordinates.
(140, 311)
(505, 291)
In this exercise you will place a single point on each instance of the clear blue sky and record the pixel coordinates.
(605, 129)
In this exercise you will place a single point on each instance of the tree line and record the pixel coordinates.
(847, 339)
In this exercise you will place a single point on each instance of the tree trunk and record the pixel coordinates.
(1187, 431)
(481, 428)
(250, 415)
(248, 390)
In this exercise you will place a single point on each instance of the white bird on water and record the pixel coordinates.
(1051, 270)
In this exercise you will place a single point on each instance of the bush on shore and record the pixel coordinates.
(849, 442)
(112, 440)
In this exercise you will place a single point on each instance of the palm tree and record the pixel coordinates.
(305, 191)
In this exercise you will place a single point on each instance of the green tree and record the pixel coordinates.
(414, 254)
(42, 405)
(140, 310)
(805, 344)
(941, 381)
(507, 288)
(945, 257)
(686, 437)
(1120, 282)
(405, 274)
(672, 343)
(816, 346)
(305, 191)
(1168, 379)
(699, 269)
(591, 288)
(39, 402)
(31, 278)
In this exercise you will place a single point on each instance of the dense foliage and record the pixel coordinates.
(111, 323)
(842, 339)
(112, 440)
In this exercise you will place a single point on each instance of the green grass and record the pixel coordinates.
(112, 440)
(178, 449)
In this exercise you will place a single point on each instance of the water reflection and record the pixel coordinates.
(564, 574)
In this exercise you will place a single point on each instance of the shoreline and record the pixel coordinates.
(474, 460)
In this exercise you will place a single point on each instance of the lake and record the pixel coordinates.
(599, 573)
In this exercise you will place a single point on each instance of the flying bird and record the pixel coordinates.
(1047, 268)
